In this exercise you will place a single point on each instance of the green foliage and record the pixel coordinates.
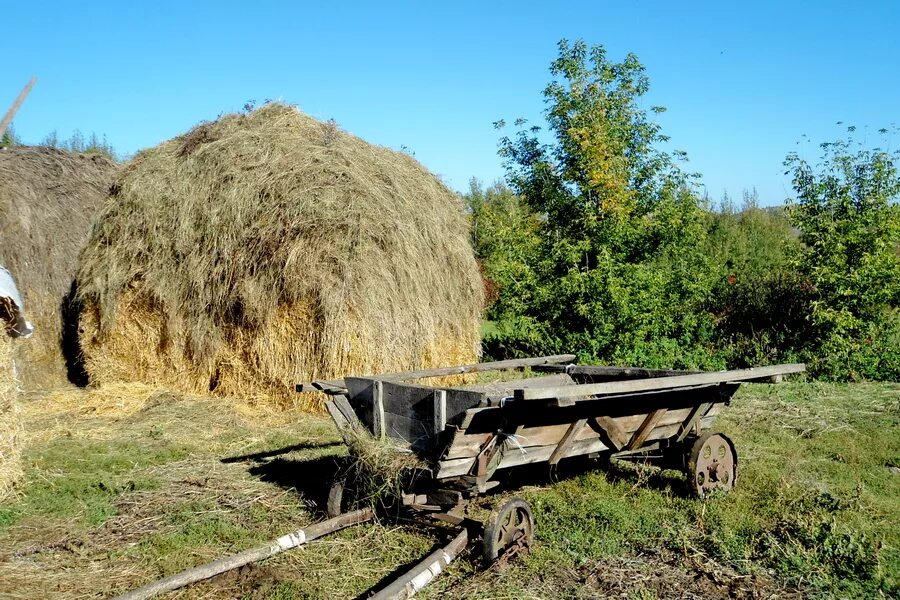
(77, 142)
(615, 267)
(847, 211)
(9, 138)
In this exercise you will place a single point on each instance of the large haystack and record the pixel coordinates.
(48, 199)
(10, 420)
(269, 248)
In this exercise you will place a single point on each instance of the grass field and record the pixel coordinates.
(128, 484)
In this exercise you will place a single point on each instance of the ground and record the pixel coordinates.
(128, 484)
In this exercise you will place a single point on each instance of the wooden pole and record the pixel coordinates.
(285, 542)
(500, 365)
(424, 572)
(17, 103)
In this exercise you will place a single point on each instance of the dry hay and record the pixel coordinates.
(10, 420)
(48, 199)
(268, 248)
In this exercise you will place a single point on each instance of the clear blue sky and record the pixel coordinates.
(742, 80)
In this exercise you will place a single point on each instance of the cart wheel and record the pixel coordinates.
(334, 506)
(712, 464)
(510, 525)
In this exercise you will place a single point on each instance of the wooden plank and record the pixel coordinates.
(499, 389)
(618, 437)
(16, 105)
(440, 410)
(697, 413)
(656, 383)
(378, 424)
(500, 365)
(646, 427)
(566, 442)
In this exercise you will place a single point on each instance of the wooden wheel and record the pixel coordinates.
(712, 464)
(334, 506)
(509, 528)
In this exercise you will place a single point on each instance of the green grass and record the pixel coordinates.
(140, 496)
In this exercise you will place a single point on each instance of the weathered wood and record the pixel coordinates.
(500, 365)
(440, 410)
(16, 105)
(697, 413)
(646, 427)
(596, 374)
(285, 542)
(500, 389)
(656, 383)
(378, 420)
(423, 573)
(618, 437)
(566, 442)
(515, 456)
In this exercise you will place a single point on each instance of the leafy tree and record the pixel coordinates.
(619, 274)
(847, 211)
(8, 138)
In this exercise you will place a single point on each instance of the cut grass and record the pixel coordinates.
(138, 489)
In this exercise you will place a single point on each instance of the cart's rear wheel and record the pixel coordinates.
(509, 528)
(712, 464)
(334, 506)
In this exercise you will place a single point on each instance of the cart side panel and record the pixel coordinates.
(408, 410)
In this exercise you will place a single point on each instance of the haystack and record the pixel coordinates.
(48, 199)
(268, 248)
(10, 420)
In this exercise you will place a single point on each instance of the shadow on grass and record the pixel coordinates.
(261, 456)
(311, 478)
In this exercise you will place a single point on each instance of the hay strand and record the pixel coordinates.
(10, 419)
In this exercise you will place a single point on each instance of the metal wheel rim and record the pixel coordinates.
(712, 465)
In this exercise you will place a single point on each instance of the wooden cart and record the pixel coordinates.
(468, 435)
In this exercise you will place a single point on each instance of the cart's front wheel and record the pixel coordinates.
(509, 528)
(712, 464)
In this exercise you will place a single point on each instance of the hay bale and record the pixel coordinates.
(48, 199)
(10, 420)
(268, 248)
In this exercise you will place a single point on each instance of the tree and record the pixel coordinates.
(619, 273)
(9, 138)
(847, 212)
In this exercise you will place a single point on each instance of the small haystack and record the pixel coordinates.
(48, 199)
(268, 248)
(10, 420)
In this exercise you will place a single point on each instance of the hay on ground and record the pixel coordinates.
(10, 420)
(48, 199)
(269, 248)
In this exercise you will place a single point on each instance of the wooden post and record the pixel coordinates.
(697, 413)
(566, 442)
(378, 409)
(440, 410)
(646, 427)
(17, 103)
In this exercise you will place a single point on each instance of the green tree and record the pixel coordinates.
(9, 138)
(619, 274)
(846, 209)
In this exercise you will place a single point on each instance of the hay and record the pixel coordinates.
(10, 419)
(48, 199)
(267, 248)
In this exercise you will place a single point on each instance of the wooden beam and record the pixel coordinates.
(17, 103)
(618, 437)
(697, 413)
(566, 442)
(440, 410)
(655, 383)
(500, 365)
(378, 410)
(640, 436)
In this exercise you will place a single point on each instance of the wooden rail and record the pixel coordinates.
(589, 390)
(500, 365)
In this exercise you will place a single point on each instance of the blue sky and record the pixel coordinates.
(742, 81)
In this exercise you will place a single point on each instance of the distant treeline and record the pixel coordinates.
(599, 244)
(77, 142)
